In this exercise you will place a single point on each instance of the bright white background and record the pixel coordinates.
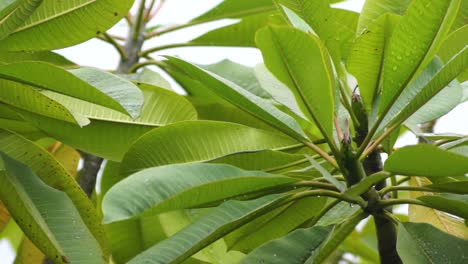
(99, 54)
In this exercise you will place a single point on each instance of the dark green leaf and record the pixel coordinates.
(423, 243)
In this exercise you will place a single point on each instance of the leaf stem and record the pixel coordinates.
(321, 153)
(110, 40)
(405, 188)
(139, 20)
(343, 197)
(390, 202)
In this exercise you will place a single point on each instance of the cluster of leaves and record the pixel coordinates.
(253, 165)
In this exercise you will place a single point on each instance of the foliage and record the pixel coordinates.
(273, 164)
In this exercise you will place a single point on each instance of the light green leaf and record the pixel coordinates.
(414, 41)
(422, 243)
(47, 216)
(88, 84)
(52, 173)
(241, 98)
(425, 160)
(161, 107)
(442, 103)
(462, 14)
(455, 42)
(240, 34)
(112, 144)
(15, 14)
(300, 61)
(28, 98)
(335, 27)
(217, 223)
(374, 9)
(61, 24)
(239, 74)
(44, 56)
(194, 141)
(365, 60)
(236, 9)
(183, 186)
(424, 87)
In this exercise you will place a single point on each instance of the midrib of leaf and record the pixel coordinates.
(299, 91)
(57, 15)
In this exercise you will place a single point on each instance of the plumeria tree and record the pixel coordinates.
(273, 164)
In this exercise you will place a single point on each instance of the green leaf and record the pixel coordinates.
(183, 186)
(112, 144)
(337, 236)
(194, 141)
(228, 113)
(130, 237)
(413, 43)
(15, 14)
(294, 248)
(335, 27)
(374, 9)
(28, 98)
(239, 74)
(217, 223)
(367, 183)
(7, 57)
(439, 105)
(47, 216)
(425, 160)
(422, 243)
(439, 219)
(462, 14)
(241, 98)
(300, 61)
(454, 43)
(161, 107)
(452, 206)
(275, 224)
(365, 60)
(57, 25)
(240, 34)
(236, 9)
(424, 87)
(265, 160)
(312, 245)
(88, 84)
(460, 187)
(52, 173)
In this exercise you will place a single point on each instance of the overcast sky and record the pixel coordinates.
(99, 54)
